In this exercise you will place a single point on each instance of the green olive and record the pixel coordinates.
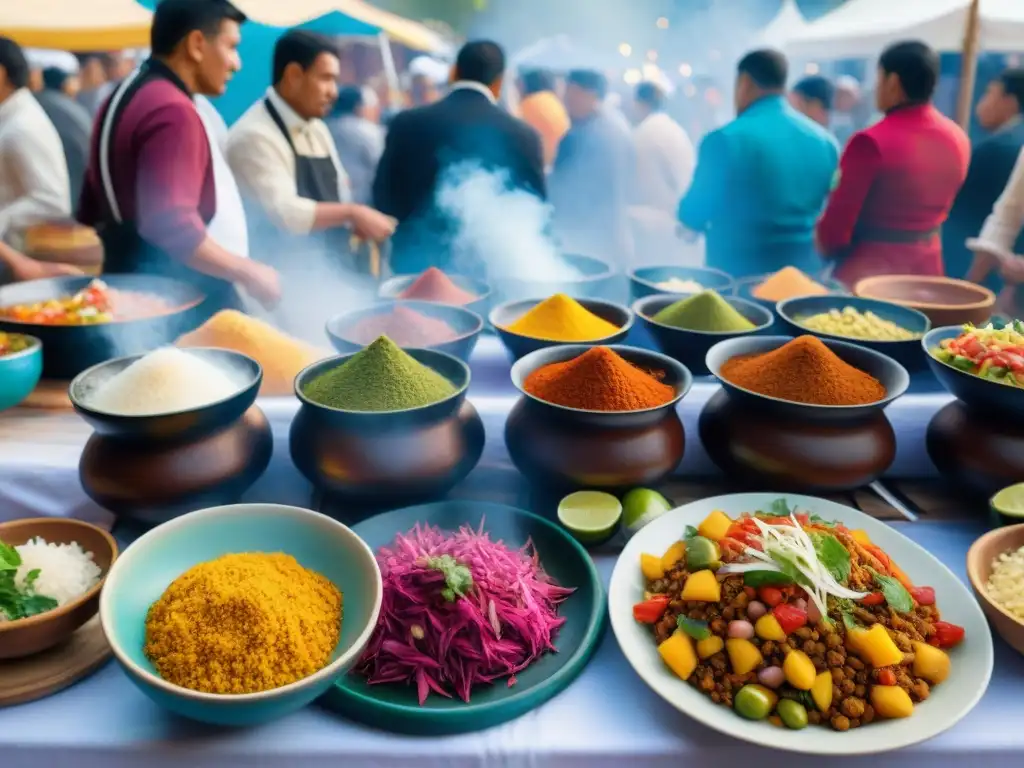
(793, 714)
(753, 702)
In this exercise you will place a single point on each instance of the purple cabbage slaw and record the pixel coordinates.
(507, 619)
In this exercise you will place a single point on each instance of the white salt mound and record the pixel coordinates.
(164, 381)
(66, 571)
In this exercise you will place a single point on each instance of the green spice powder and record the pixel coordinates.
(704, 311)
(381, 377)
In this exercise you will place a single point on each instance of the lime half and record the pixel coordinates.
(641, 506)
(590, 516)
(1008, 505)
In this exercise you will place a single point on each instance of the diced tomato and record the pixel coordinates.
(770, 596)
(947, 635)
(886, 677)
(875, 598)
(923, 595)
(790, 617)
(751, 592)
(649, 611)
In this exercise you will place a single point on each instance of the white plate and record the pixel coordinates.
(949, 702)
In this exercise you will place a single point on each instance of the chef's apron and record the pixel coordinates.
(125, 251)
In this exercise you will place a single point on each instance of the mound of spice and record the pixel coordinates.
(381, 377)
(804, 370)
(281, 356)
(561, 318)
(598, 380)
(434, 285)
(787, 283)
(704, 311)
(406, 327)
(243, 623)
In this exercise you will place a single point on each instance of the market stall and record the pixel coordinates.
(100, 25)
(784, 26)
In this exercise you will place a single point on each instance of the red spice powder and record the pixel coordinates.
(404, 326)
(435, 285)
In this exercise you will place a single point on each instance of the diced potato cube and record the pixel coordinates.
(678, 654)
(891, 701)
(709, 646)
(715, 526)
(744, 656)
(930, 663)
(799, 670)
(768, 628)
(651, 567)
(702, 586)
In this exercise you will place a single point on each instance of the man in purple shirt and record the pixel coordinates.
(149, 189)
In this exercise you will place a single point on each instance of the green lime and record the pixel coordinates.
(591, 516)
(1008, 505)
(641, 506)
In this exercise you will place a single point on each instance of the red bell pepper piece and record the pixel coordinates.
(790, 617)
(649, 611)
(923, 595)
(770, 596)
(886, 677)
(874, 598)
(947, 635)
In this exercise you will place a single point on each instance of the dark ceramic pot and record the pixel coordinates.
(518, 346)
(691, 347)
(566, 448)
(588, 277)
(388, 459)
(643, 281)
(976, 452)
(907, 353)
(176, 426)
(70, 349)
(1004, 402)
(945, 300)
(392, 289)
(761, 449)
(153, 481)
(466, 324)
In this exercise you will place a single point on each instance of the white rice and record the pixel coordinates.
(1006, 583)
(66, 571)
(164, 381)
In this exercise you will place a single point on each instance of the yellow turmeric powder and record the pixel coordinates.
(787, 283)
(281, 356)
(561, 318)
(243, 623)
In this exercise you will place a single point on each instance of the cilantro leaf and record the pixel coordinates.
(690, 532)
(458, 578)
(833, 555)
(895, 594)
(848, 621)
(780, 508)
(35, 604)
(10, 560)
(819, 520)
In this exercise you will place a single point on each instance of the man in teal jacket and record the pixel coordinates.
(762, 180)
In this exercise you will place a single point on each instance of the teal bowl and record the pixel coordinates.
(151, 563)
(19, 374)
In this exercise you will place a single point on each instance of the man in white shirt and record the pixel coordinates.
(34, 184)
(998, 238)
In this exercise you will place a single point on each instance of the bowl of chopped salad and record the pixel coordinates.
(21, 366)
(982, 366)
(796, 622)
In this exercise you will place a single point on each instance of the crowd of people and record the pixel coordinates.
(285, 202)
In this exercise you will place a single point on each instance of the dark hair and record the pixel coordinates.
(54, 78)
(174, 20)
(915, 64)
(13, 60)
(350, 99)
(816, 88)
(537, 80)
(650, 94)
(767, 68)
(589, 80)
(1012, 81)
(480, 61)
(297, 46)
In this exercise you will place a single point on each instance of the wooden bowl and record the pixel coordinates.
(944, 300)
(979, 568)
(35, 634)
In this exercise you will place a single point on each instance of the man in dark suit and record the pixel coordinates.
(467, 126)
(992, 161)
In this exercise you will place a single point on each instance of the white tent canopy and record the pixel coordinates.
(787, 23)
(862, 28)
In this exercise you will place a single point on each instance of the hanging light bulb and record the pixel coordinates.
(625, 49)
(662, 23)
(632, 76)
(685, 70)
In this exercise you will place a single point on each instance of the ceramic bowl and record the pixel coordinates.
(26, 637)
(157, 558)
(979, 567)
(892, 375)
(691, 347)
(518, 345)
(466, 324)
(567, 448)
(173, 426)
(944, 300)
(583, 276)
(907, 353)
(19, 374)
(978, 393)
(379, 459)
(643, 281)
(745, 288)
(392, 288)
(70, 349)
